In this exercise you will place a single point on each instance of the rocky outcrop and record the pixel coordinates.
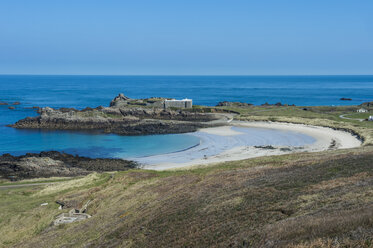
(119, 119)
(278, 104)
(367, 104)
(119, 101)
(345, 99)
(51, 164)
(233, 104)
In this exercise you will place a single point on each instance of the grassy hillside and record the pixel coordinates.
(298, 200)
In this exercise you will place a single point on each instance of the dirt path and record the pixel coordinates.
(22, 185)
(344, 117)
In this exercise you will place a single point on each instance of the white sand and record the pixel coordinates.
(322, 137)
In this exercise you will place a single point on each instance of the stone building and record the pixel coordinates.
(185, 103)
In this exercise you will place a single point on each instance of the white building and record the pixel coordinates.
(185, 103)
(362, 110)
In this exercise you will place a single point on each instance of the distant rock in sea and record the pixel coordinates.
(11, 108)
(16, 103)
(4, 103)
(345, 99)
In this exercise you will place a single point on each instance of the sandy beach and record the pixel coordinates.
(241, 140)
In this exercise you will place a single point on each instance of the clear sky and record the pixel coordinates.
(189, 37)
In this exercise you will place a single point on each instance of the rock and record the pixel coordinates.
(120, 120)
(49, 164)
(367, 104)
(265, 147)
(11, 107)
(345, 99)
(16, 103)
(233, 104)
(120, 100)
(278, 104)
(4, 103)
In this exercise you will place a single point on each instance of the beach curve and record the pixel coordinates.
(244, 139)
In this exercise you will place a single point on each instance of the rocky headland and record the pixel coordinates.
(124, 116)
(56, 164)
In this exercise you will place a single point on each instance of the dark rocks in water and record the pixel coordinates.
(51, 164)
(233, 104)
(4, 103)
(16, 103)
(11, 107)
(34, 108)
(345, 99)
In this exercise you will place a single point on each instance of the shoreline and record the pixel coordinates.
(325, 138)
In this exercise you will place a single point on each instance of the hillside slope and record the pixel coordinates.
(299, 200)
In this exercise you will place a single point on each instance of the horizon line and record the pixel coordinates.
(187, 75)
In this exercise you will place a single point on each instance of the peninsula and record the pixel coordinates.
(126, 116)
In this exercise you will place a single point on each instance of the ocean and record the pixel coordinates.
(91, 91)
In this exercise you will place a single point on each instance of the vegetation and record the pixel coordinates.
(298, 200)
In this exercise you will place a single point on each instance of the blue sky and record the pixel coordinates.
(171, 37)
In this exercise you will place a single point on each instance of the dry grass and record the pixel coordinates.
(299, 200)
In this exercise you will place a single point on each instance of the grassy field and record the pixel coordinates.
(320, 199)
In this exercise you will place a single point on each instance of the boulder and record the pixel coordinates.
(119, 101)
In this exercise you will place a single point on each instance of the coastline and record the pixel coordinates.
(324, 139)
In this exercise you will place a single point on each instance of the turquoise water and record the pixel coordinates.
(92, 91)
(96, 145)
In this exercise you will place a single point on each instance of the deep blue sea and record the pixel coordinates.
(82, 91)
